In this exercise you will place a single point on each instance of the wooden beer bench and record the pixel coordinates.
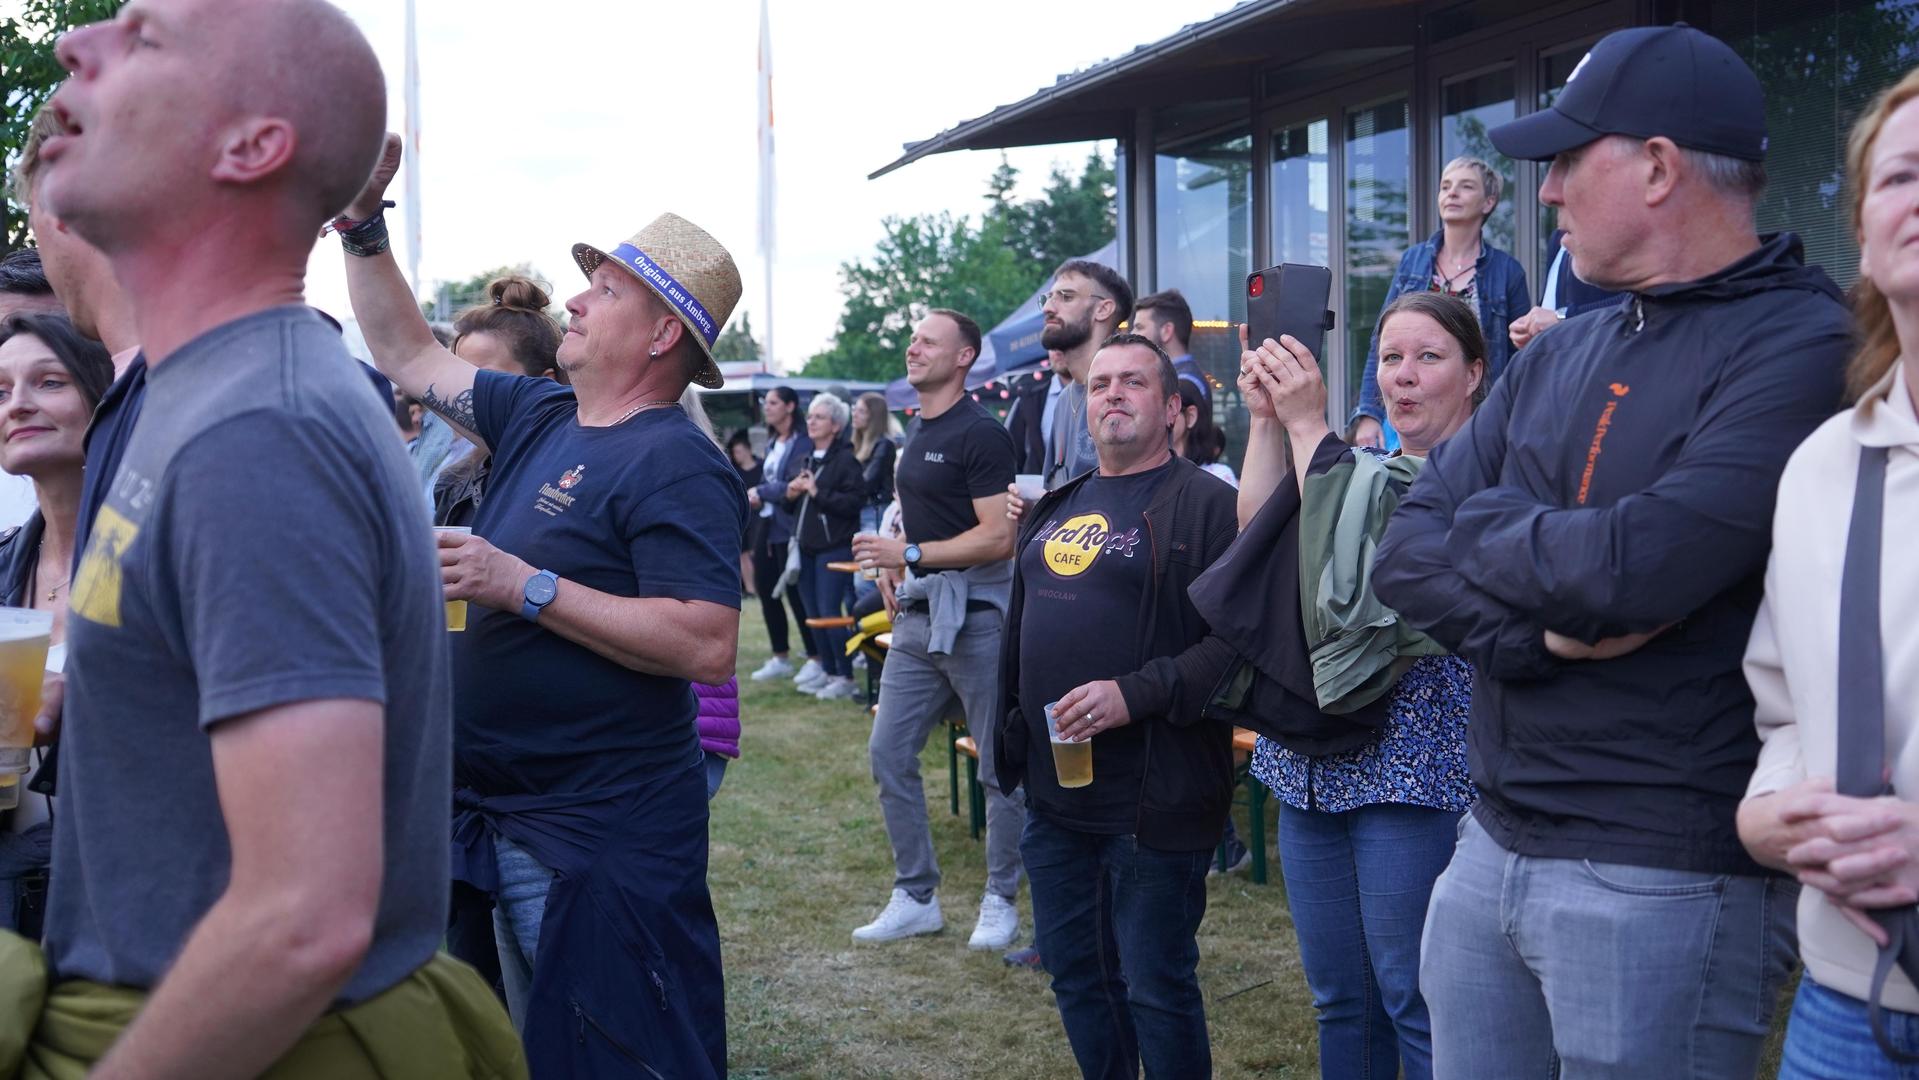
(975, 794)
(1254, 801)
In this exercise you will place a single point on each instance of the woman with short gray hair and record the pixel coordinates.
(826, 500)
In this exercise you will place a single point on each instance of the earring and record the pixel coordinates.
(654, 353)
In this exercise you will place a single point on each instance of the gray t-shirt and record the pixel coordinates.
(264, 543)
(1072, 448)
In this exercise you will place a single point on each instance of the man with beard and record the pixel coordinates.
(1082, 309)
(1101, 634)
(952, 479)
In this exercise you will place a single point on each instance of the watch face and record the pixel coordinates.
(540, 589)
(912, 554)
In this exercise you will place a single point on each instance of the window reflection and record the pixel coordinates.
(1377, 173)
(1204, 225)
(1471, 107)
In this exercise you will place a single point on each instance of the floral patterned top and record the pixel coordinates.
(1419, 759)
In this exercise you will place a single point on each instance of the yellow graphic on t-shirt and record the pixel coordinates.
(96, 588)
(1070, 547)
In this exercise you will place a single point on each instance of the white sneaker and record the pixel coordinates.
(773, 669)
(838, 688)
(998, 923)
(903, 917)
(810, 673)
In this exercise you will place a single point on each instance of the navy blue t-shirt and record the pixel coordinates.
(648, 507)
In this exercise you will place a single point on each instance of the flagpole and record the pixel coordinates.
(766, 174)
(412, 159)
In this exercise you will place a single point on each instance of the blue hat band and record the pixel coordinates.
(671, 290)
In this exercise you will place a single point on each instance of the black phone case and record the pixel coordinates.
(1290, 298)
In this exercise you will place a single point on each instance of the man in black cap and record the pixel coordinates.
(1594, 541)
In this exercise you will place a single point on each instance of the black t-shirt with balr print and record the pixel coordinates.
(1086, 574)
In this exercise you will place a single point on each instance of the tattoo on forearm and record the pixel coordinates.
(459, 410)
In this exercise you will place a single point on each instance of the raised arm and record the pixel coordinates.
(403, 347)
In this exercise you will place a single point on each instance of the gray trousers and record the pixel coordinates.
(917, 690)
(1616, 971)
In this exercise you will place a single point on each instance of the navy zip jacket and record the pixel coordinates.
(1620, 479)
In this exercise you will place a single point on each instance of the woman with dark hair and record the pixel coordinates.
(1195, 437)
(787, 453)
(511, 333)
(51, 377)
(739, 450)
(1834, 656)
(1372, 786)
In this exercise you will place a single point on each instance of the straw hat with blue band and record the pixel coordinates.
(688, 270)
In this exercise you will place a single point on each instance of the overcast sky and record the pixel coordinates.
(580, 120)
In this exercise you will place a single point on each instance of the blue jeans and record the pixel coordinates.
(1117, 925)
(715, 772)
(1830, 1038)
(517, 913)
(1618, 970)
(828, 593)
(1357, 883)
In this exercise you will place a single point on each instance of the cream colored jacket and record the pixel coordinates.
(1792, 661)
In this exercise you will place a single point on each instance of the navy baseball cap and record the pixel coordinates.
(1674, 81)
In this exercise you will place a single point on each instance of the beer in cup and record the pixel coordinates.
(1073, 761)
(23, 666)
(455, 609)
(870, 573)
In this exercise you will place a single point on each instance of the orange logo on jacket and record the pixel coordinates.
(1619, 390)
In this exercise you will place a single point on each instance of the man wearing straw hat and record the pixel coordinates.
(603, 573)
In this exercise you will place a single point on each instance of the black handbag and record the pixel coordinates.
(1861, 768)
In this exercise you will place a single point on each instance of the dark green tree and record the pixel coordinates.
(29, 75)
(452, 297)
(736, 343)
(985, 269)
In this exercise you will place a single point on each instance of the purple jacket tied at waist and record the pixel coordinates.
(719, 717)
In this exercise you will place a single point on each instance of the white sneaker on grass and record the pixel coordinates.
(903, 917)
(774, 668)
(837, 688)
(811, 676)
(998, 923)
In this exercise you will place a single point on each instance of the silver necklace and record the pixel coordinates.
(638, 409)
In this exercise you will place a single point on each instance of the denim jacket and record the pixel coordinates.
(1499, 291)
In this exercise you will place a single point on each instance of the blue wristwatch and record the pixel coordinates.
(541, 588)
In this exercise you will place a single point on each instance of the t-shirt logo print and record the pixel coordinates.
(1071, 548)
(571, 477)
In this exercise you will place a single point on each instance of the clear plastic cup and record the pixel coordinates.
(23, 667)
(1073, 761)
(455, 609)
(1031, 486)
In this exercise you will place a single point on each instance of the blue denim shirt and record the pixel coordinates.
(1499, 292)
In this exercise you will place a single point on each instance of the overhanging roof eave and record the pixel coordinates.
(961, 135)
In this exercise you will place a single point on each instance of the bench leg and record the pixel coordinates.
(975, 800)
(1256, 820)
(952, 766)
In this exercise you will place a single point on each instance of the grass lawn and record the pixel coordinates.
(799, 858)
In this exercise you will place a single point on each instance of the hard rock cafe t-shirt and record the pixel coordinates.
(1087, 574)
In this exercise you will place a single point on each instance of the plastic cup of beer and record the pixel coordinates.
(1031, 486)
(1073, 761)
(455, 609)
(867, 570)
(23, 666)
